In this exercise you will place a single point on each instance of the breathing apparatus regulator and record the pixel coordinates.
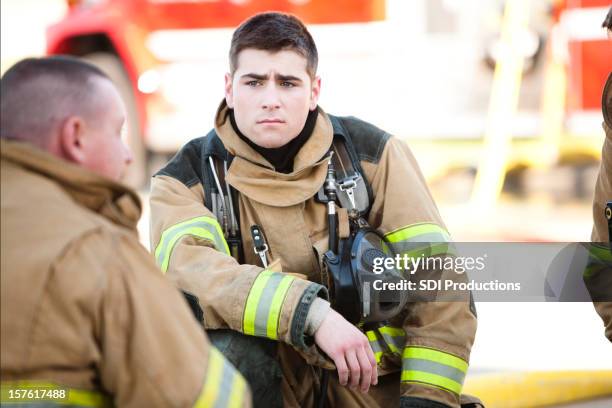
(348, 265)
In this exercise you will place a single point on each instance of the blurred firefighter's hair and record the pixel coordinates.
(38, 93)
(607, 23)
(273, 32)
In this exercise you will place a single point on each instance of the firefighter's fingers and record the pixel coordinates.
(366, 369)
(354, 368)
(372, 359)
(342, 369)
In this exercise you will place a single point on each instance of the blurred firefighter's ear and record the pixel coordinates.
(607, 23)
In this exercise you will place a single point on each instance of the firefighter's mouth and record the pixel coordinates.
(270, 121)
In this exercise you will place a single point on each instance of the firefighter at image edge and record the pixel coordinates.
(237, 222)
(87, 318)
(603, 191)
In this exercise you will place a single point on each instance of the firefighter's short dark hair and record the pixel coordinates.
(607, 23)
(37, 93)
(273, 31)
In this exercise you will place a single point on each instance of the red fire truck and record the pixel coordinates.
(168, 57)
(399, 64)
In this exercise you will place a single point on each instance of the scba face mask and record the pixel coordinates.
(353, 283)
(356, 291)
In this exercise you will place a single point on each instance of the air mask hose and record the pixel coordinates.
(332, 221)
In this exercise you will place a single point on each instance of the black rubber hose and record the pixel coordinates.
(333, 232)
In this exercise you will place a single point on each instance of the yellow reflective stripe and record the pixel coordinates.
(371, 336)
(73, 396)
(378, 356)
(433, 367)
(394, 338)
(437, 356)
(224, 385)
(600, 259)
(88, 399)
(201, 227)
(431, 379)
(210, 392)
(410, 232)
(600, 252)
(253, 301)
(236, 398)
(392, 331)
(420, 240)
(387, 343)
(277, 303)
(431, 250)
(374, 344)
(264, 304)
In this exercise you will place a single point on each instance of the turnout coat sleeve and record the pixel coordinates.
(603, 190)
(603, 194)
(152, 351)
(190, 248)
(437, 336)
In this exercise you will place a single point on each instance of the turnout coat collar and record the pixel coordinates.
(252, 175)
(112, 200)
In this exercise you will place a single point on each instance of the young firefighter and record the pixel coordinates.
(276, 141)
(83, 321)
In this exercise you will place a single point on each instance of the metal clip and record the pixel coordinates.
(348, 186)
(259, 244)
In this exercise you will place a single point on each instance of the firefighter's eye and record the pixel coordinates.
(287, 84)
(254, 83)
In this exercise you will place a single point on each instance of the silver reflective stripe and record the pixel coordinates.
(435, 368)
(395, 343)
(375, 346)
(414, 247)
(225, 390)
(265, 304)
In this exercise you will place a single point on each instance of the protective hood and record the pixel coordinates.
(252, 175)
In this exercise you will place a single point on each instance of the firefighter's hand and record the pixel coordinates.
(349, 349)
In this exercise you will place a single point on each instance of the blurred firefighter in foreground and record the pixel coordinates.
(603, 192)
(248, 220)
(87, 317)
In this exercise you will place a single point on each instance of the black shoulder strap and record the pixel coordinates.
(212, 147)
(215, 150)
(344, 146)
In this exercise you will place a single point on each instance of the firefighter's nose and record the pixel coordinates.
(129, 156)
(271, 98)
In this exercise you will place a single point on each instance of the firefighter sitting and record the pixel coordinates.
(241, 220)
(83, 323)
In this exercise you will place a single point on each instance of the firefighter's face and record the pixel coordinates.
(96, 138)
(271, 94)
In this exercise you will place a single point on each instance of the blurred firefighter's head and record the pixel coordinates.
(272, 83)
(607, 23)
(68, 108)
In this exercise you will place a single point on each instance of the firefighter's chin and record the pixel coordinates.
(272, 140)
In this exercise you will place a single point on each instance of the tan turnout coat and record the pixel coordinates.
(84, 307)
(189, 246)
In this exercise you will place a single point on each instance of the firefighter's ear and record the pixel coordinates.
(315, 92)
(229, 90)
(72, 139)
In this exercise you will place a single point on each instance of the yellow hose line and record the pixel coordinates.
(538, 389)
